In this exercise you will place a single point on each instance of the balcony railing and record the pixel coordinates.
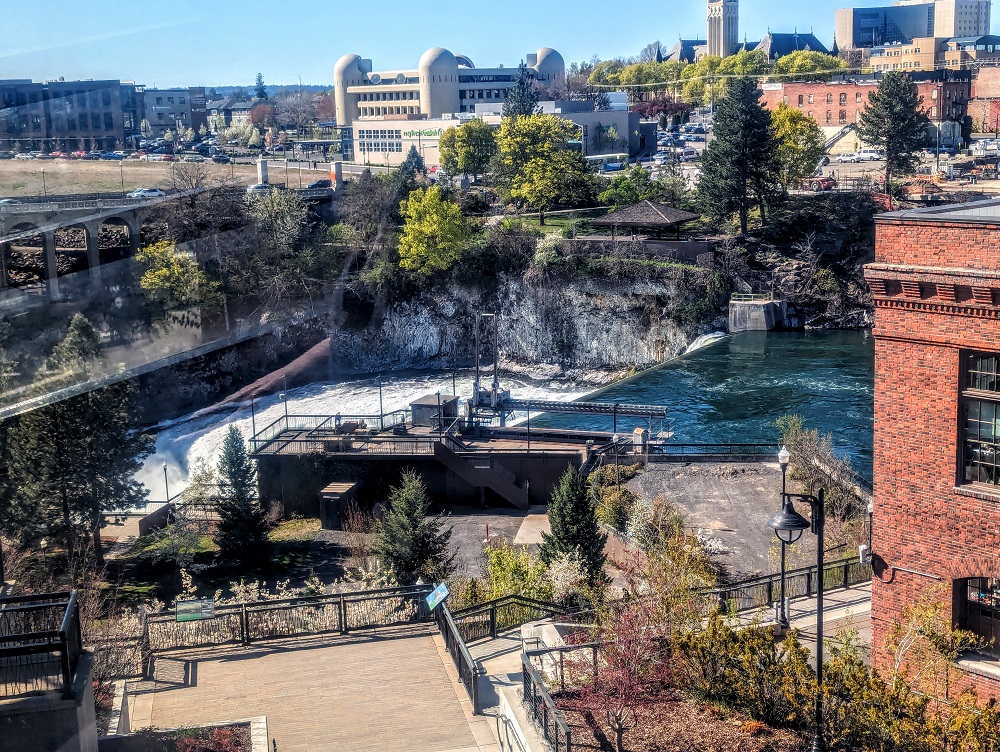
(40, 644)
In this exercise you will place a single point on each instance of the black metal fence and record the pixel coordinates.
(289, 617)
(486, 619)
(40, 644)
(670, 452)
(542, 709)
(761, 592)
(468, 670)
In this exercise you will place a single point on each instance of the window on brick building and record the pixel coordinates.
(979, 609)
(981, 419)
(843, 99)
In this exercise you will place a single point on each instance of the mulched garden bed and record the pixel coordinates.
(232, 738)
(673, 724)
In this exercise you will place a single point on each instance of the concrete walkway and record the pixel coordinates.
(394, 690)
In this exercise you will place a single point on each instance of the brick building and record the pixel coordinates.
(839, 103)
(936, 522)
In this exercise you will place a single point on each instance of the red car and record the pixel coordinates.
(819, 183)
(78, 154)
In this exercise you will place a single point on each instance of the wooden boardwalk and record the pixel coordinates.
(391, 690)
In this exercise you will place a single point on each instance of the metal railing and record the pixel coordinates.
(670, 452)
(468, 670)
(289, 617)
(487, 619)
(40, 643)
(542, 709)
(761, 592)
(742, 297)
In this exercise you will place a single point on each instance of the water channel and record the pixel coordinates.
(732, 390)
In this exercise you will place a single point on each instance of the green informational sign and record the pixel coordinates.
(437, 595)
(203, 608)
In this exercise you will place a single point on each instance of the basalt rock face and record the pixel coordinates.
(559, 328)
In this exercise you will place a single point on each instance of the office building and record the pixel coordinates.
(936, 289)
(930, 53)
(175, 110)
(66, 115)
(441, 84)
(908, 20)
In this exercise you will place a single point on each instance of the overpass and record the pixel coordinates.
(42, 216)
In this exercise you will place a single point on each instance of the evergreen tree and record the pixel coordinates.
(258, 90)
(740, 167)
(73, 460)
(893, 123)
(522, 99)
(242, 529)
(409, 543)
(413, 165)
(574, 526)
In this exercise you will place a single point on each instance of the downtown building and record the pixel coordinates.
(909, 20)
(936, 518)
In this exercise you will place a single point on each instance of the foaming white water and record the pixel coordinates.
(705, 340)
(198, 437)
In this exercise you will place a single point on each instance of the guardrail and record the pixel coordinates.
(739, 297)
(761, 592)
(542, 708)
(468, 671)
(486, 619)
(40, 643)
(670, 452)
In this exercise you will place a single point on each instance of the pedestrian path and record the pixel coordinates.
(391, 690)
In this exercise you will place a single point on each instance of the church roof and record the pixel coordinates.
(686, 50)
(779, 45)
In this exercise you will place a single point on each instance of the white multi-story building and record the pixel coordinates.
(441, 84)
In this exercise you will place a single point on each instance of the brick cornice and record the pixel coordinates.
(932, 289)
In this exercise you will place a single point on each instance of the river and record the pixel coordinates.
(732, 390)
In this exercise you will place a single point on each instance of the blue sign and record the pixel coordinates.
(437, 595)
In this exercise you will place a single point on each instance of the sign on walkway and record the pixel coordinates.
(437, 595)
(196, 610)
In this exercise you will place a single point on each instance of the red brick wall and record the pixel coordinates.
(937, 289)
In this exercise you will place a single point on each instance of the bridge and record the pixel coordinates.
(41, 217)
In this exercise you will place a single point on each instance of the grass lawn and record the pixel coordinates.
(298, 529)
(62, 176)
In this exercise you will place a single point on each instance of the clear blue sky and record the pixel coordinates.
(182, 42)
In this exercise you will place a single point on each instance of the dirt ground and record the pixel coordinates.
(727, 504)
(676, 725)
(62, 176)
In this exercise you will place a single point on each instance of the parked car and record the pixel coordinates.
(325, 183)
(6, 155)
(58, 154)
(687, 155)
(24, 155)
(221, 159)
(146, 193)
(848, 158)
(109, 155)
(819, 183)
(8, 201)
(661, 158)
(258, 188)
(870, 155)
(194, 158)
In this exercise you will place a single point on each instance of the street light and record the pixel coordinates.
(121, 170)
(166, 483)
(788, 526)
(45, 191)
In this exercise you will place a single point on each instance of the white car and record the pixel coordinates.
(194, 158)
(147, 193)
(661, 159)
(24, 155)
(848, 158)
(260, 188)
(870, 155)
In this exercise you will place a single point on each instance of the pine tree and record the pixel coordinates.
(413, 165)
(242, 529)
(573, 522)
(522, 99)
(410, 543)
(740, 167)
(893, 123)
(259, 91)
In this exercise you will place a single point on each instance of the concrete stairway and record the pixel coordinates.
(483, 472)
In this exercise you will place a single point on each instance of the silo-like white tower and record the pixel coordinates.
(438, 72)
(350, 70)
(549, 66)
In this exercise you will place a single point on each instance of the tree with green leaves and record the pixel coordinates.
(800, 144)
(259, 91)
(241, 533)
(172, 278)
(630, 187)
(807, 65)
(469, 148)
(73, 460)
(894, 123)
(740, 167)
(434, 232)
(574, 526)
(409, 542)
(561, 179)
(522, 99)
(413, 165)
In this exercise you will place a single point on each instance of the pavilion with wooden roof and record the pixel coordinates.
(647, 215)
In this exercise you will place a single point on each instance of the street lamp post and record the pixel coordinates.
(788, 526)
(166, 482)
(121, 171)
(45, 190)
